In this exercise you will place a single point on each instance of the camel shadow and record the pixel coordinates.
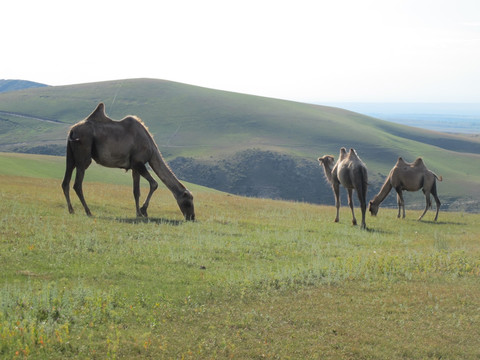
(378, 231)
(443, 222)
(143, 220)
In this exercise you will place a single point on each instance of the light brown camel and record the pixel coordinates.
(125, 144)
(351, 173)
(411, 177)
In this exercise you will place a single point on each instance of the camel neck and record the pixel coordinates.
(163, 171)
(328, 173)
(384, 191)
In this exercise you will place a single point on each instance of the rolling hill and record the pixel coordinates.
(244, 144)
(14, 85)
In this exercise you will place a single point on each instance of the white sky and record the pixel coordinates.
(321, 51)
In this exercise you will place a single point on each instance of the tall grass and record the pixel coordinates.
(250, 279)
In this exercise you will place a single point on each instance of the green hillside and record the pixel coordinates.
(235, 142)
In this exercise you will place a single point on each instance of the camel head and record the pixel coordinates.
(373, 208)
(327, 161)
(185, 202)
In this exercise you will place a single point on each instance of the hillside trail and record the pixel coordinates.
(6, 113)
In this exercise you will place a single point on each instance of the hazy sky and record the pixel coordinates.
(333, 50)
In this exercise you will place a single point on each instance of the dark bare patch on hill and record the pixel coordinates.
(258, 173)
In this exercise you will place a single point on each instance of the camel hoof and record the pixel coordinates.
(143, 212)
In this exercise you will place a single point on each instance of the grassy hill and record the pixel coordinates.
(251, 278)
(207, 135)
(14, 85)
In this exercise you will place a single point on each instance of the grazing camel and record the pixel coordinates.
(411, 177)
(125, 144)
(351, 172)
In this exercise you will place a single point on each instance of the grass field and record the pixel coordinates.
(250, 279)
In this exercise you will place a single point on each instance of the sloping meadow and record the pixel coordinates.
(251, 278)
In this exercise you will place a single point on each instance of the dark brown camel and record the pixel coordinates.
(351, 173)
(125, 144)
(411, 177)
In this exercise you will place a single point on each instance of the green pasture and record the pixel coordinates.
(251, 279)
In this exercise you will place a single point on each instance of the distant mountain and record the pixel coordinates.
(244, 144)
(459, 118)
(14, 85)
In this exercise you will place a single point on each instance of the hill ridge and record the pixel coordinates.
(7, 85)
(207, 129)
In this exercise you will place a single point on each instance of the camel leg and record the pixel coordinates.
(66, 183)
(401, 203)
(336, 191)
(362, 198)
(350, 203)
(77, 186)
(437, 200)
(136, 191)
(428, 204)
(142, 170)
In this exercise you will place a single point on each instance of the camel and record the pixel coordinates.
(125, 144)
(351, 173)
(411, 177)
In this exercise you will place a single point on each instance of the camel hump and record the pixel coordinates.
(343, 153)
(352, 153)
(418, 162)
(400, 161)
(100, 107)
(99, 113)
